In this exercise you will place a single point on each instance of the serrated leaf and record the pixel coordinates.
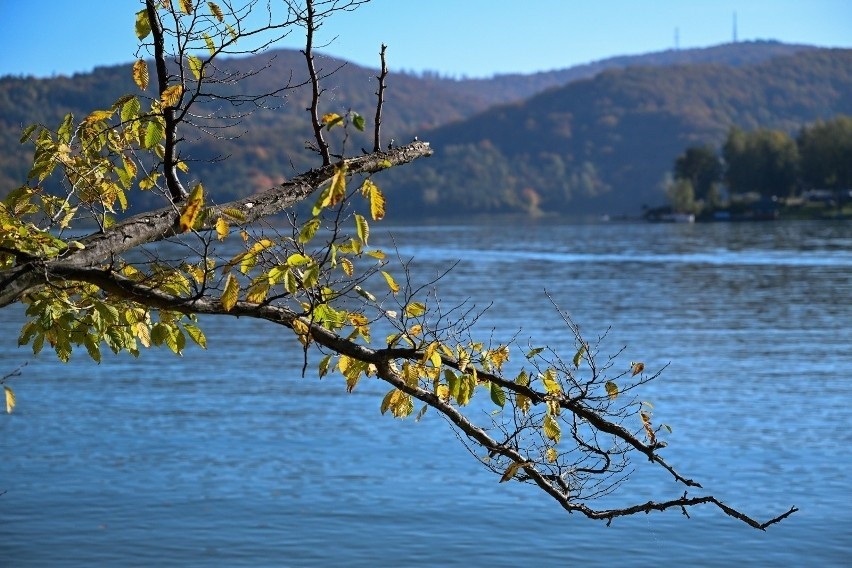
(10, 399)
(66, 128)
(636, 368)
(234, 214)
(498, 396)
(324, 366)
(377, 203)
(611, 390)
(415, 309)
(186, 6)
(222, 229)
(258, 291)
(347, 266)
(143, 24)
(130, 109)
(211, 47)
(195, 66)
(551, 428)
(140, 74)
(153, 134)
(171, 96)
(337, 190)
(216, 11)
(394, 287)
(308, 230)
(230, 293)
(362, 227)
(192, 209)
(551, 381)
(196, 335)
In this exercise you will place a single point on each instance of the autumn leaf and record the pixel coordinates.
(192, 209)
(10, 399)
(331, 119)
(611, 390)
(171, 96)
(140, 74)
(230, 294)
(636, 368)
(511, 471)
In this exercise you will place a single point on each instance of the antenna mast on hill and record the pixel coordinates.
(735, 27)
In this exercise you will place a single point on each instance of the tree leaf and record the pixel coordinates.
(347, 266)
(130, 109)
(551, 428)
(171, 96)
(511, 471)
(578, 356)
(140, 74)
(363, 228)
(498, 396)
(196, 335)
(331, 119)
(222, 228)
(153, 134)
(551, 381)
(636, 368)
(10, 399)
(391, 282)
(551, 454)
(211, 47)
(358, 121)
(216, 11)
(143, 24)
(230, 293)
(611, 390)
(308, 230)
(195, 66)
(415, 309)
(377, 202)
(192, 209)
(186, 6)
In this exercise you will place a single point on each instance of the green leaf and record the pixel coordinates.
(143, 25)
(358, 121)
(66, 128)
(211, 47)
(324, 366)
(498, 396)
(611, 390)
(130, 110)
(363, 228)
(196, 335)
(153, 134)
(578, 356)
(28, 132)
(195, 66)
(534, 352)
(309, 229)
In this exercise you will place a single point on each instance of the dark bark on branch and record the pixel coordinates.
(176, 189)
(380, 94)
(157, 225)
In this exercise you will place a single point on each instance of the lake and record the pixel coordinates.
(230, 457)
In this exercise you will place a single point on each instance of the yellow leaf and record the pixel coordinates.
(611, 390)
(551, 428)
(171, 96)
(186, 6)
(257, 291)
(636, 368)
(10, 399)
(195, 66)
(143, 25)
(511, 471)
(551, 381)
(363, 228)
(377, 202)
(140, 74)
(337, 191)
(216, 11)
(331, 119)
(347, 266)
(230, 294)
(192, 209)
(222, 228)
(551, 454)
(391, 282)
(443, 392)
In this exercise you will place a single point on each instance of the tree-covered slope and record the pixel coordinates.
(603, 145)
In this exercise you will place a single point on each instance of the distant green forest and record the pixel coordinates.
(588, 140)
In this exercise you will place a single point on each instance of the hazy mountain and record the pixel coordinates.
(591, 129)
(602, 145)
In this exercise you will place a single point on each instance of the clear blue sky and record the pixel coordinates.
(457, 37)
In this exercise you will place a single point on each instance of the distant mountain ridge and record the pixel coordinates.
(460, 117)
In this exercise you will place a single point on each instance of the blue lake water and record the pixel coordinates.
(229, 457)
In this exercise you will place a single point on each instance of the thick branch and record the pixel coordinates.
(157, 225)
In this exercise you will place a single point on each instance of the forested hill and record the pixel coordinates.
(603, 145)
(580, 138)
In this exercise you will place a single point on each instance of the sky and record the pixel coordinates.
(471, 38)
